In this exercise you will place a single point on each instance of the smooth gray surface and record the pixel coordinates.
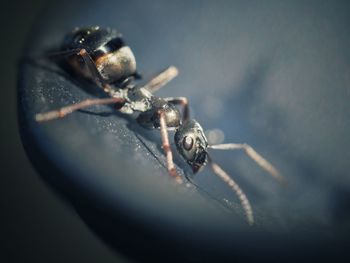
(274, 75)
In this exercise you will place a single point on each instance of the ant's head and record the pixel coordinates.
(192, 144)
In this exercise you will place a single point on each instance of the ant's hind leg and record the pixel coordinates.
(89, 62)
(166, 148)
(60, 113)
(161, 79)
(96, 76)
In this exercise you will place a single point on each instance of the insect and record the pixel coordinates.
(101, 55)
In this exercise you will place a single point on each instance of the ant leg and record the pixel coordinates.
(166, 148)
(256, 157)
(238, 191)
(96, 76)
(182, 101)
(60, 113)
(38, 58)
(89, 62)
(64, 53)
(162, 79)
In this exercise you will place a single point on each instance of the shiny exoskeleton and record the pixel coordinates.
(101, 55)
(113, 59)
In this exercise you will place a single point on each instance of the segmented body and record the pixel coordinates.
(140, 99)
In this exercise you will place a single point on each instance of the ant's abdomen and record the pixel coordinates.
(113, 59)
(117, 65)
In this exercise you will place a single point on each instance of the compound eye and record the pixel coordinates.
(187, 143)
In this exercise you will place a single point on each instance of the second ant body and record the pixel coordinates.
(102, 56)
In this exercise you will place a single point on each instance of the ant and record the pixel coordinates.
(101, 55)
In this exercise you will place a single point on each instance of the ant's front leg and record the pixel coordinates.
(166, 147)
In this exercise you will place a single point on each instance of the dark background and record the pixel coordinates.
(36, 225)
